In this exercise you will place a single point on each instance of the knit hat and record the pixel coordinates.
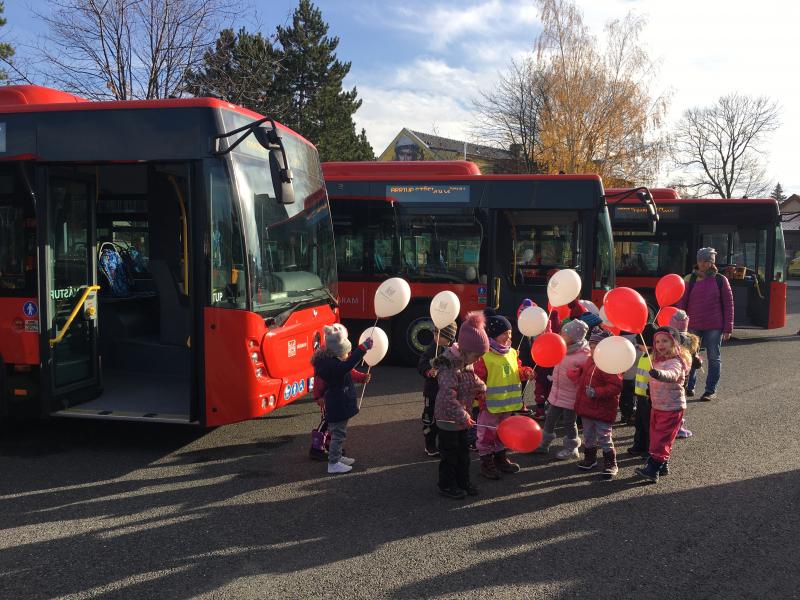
(598, 334)
(526, 303)
(707, 254)
(448, 332)
(496, 324)
(575, 330)
(591, 319)
(680, 321)
(472, 335)
(336, 341)
(671, 332)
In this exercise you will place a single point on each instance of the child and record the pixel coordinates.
(320, 437)
(671, 364)
(442, 339)
(680, 322)
(333, 367)
(564, 391)
(502, 371)
(596, 403)
(641, 434)
(458, 387)
(542, 376)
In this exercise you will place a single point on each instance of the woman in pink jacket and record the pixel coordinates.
(565, 391)
(671, 364)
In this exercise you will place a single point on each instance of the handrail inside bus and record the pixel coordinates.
(185, 228)
(88, 290)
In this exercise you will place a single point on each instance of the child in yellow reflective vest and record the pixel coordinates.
(641, 436)
(503, 372)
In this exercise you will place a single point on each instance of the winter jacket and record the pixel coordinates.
(565, 390)
(630, 374)
(341, 400)
(320, 387)
(458, 387)
(424, 367)
(482, 372)
(708, 305)
(607, 388)
(666, 392)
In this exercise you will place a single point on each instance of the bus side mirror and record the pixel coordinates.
(652, 213)
(278, 163)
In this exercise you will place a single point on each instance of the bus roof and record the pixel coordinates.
(386, 169)
(35, 98)
(671, 196)
(433, 170)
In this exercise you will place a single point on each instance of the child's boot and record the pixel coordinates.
(664, 470)
(544, 447)
(318, 451)
(430, 443)
(570, 449)
(610, 468)
(504, 464)
(650, 470)
(488, 468)
(589, 461)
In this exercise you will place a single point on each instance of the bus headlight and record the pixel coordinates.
(254, 357)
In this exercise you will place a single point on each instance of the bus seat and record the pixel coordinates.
(175, 321)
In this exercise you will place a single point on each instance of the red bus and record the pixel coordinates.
(492, 239)
(746, 232)
(166, 260)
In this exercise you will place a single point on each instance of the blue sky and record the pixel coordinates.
(419, 63)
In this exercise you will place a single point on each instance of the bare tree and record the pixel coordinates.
(509, 115)
(128, 49)
(719, 146)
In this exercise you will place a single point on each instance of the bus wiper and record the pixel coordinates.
(281, 318)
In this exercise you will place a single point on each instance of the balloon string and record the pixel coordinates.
(520, 343)
(646, 351)
(363, 389)
(476, 424)
(436, 352)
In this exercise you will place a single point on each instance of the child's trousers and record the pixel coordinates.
(454, 464)
(664, 427)
(597, 434)
(338, 431)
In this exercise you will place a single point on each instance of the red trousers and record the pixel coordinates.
(664, 427)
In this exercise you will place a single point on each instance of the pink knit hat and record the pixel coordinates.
(680, 321)
(472, 336)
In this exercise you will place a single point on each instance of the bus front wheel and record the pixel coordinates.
(413, 330)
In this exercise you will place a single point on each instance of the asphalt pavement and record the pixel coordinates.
(122, 510)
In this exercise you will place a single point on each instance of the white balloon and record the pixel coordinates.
(445, 307)
(471, 273)
(391, 297)
(590, 306)
(614, 355)
(380, 345)
(563, 287)
(532, 321)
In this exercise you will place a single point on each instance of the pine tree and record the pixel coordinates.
(777, 193)
(6, 49)
(307, 90)
(240, 69)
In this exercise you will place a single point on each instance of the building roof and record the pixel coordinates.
(436, 142)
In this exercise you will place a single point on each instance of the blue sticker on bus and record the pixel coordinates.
(481, 291)
(287, 392)
(302, 383)
(30, 309)
(294, 389)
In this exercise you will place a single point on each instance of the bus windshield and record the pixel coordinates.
(289, 246)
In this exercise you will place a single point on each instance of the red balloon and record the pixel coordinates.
(611, 328)
(548, 350)
(626, 309)
(563, 312)
(520, 434)
(665, 314)
(669, 289)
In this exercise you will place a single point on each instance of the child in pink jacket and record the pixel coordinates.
(565, 391)
(671, 364)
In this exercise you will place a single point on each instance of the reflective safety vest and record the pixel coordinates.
(642, 375)
(503, 389)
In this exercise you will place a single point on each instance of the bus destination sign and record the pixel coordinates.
(428, 193)
(667, 213)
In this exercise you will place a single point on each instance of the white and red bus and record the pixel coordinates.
(166, 260)
(746, 232)
(492, 239)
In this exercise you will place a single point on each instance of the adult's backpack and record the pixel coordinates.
(116, 273)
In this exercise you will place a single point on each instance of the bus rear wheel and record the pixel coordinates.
(414, 332)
